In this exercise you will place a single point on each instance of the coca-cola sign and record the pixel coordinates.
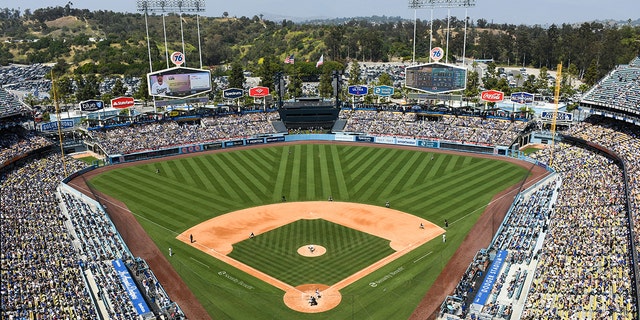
(122, 102)
(492, 95)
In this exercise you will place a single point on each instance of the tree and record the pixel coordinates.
(142, 91)
(236, 76)
(385, 80)
(267, 70)
(87, 87)
(118, 89)
(355, 73)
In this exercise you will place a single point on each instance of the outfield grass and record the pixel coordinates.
(191, 190)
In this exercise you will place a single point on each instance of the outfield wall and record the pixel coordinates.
(388, 140)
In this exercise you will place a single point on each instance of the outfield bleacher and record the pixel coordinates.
(619, 89)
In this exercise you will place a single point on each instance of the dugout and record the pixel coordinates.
(308, 113)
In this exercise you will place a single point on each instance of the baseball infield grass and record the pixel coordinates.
(189, 191)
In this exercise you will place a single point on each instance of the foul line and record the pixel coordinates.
(200, 262)
(414, 261)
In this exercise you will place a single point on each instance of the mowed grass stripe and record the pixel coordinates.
(236, 184)
(479, 188)
(187, 176)
(452, 184)
(294, 179)
(311, 172)
(179, 189)
(367, 168)
(388, 178)
(324, 171)
(261, 160)
(282, 174)
(161, 192)
(376, 173)
(203, 170)
(249, 183)
(247, 162)
(170, 214)
(468, 191)
(196, 173)
(361, 159)
(246, 173)
(442, 182)
(414, 164)
(343, 191)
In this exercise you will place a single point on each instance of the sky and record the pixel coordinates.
(540, 12)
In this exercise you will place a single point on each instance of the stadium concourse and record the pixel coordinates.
(566, 248)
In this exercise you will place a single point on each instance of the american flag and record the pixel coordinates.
(289, 59)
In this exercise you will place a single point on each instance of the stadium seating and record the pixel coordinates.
(620, 88)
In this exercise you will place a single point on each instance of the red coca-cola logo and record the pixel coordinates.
(492, 95)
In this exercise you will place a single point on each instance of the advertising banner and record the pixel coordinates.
(275, 139)
(91, 105)
(490, 278)
(131, 288)
(428, 144)
(364, 139)
(233, 143)
(53, 125)
(255, 141)
(386, 140)
(406, 142)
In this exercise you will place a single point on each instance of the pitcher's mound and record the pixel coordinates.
(299, 298)
(312, 250)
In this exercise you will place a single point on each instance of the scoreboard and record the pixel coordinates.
(436, 78)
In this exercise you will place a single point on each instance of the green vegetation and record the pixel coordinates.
(88, 160)
(529, 150)
(275, 254)
(191, 190)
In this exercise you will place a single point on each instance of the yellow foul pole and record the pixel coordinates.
(55, 99)
(556, 98)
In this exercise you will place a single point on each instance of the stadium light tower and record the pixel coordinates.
(174, 6)
(433, 4)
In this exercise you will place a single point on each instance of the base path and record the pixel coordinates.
(216, 237)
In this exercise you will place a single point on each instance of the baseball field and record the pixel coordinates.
(376, 262)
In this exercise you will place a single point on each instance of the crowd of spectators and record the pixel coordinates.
(57, 249)
(17, 142)
(585, 266)
(152, 136)
(619, 88)
(477, 130)
(99, 244)
(522, 229)
(40, 272)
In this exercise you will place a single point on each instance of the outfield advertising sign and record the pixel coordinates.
(91, 105)
(522, 97)
(255, 141)
(275, 139)
(358, 90)
(406, 142)
(364, 139)
(386, 140)
(383, 91)
(428, 144)
(232, 93)
(562, 116)
(233, 143)
(53, 125)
